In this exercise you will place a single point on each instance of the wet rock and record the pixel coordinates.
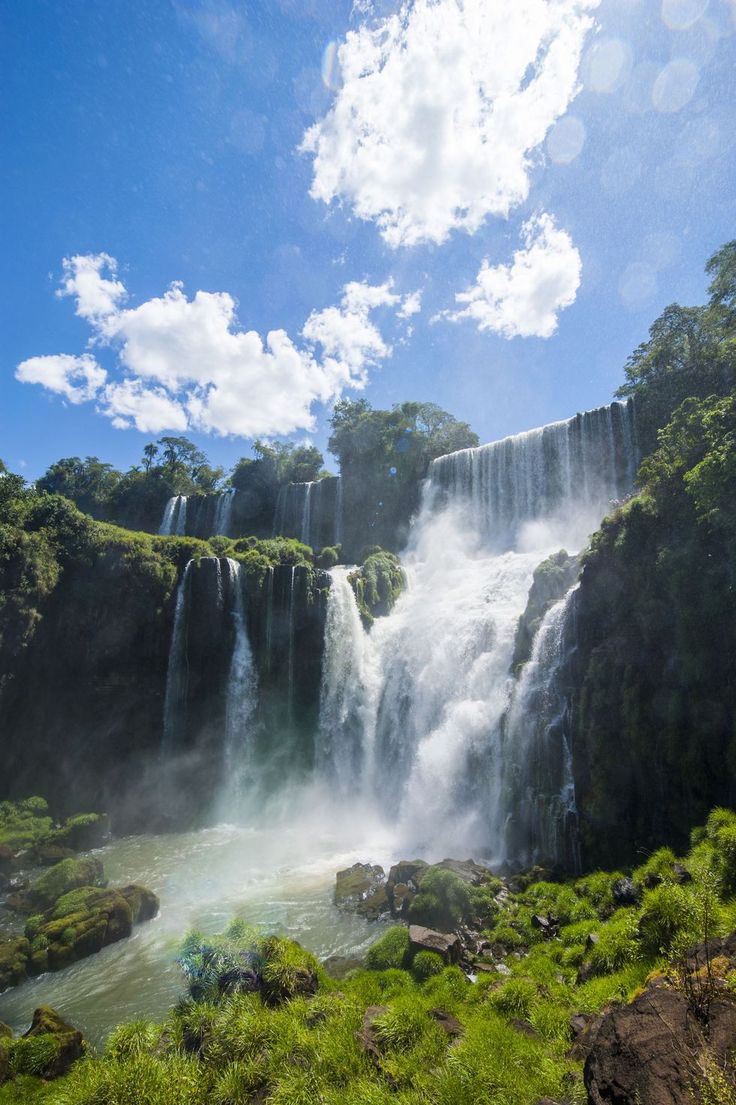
(144, 904)
(362, 889)
(15, 954)
(69, 1041)
(625, 892)
(448, 945)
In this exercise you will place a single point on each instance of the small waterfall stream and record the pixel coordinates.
(341, 753)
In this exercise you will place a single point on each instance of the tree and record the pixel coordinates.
(691, 352)
(89, 483)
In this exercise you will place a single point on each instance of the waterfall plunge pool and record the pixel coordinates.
(280, 878)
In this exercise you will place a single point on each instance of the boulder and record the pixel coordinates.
(449, 1024)
(144, 904)
(625, 892)
(69, 874)
(422, 939)
(80, 923)
(362, 889)
(15, 954)
(69, 1041)
(652, 1049)
(366, 1036)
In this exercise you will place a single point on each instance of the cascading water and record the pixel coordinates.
(536, 815)
(174, 521)
(175, 694)
(240, 704)
(436, 679)
(224, 513)
(310, 512)
(341, 752)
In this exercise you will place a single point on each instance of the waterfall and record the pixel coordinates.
(240, 702)
(536, 810)
(562, 476)
(306, 534)
(223, 514)
(436, 683)
(290, 653)
(341, 751)
(311, 512)
(176, 672)
(174, 520)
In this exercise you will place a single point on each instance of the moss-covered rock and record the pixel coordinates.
(377, 583)
(15, 954)
(144, 904)
(552, 579)
(22, 824)
(79, 924)
(60, 879)
(362, 889)
(49, 1048)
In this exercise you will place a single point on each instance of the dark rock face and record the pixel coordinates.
(654, 688)
(553, 578)
(660, 1048)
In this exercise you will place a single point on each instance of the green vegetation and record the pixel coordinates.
(690, 353)
(377, 584)
(262, 1018)
(262, 1021)
(383, 456)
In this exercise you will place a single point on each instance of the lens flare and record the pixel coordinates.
(331, 73)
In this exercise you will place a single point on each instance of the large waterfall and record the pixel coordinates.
(458, 757)
(419, 719)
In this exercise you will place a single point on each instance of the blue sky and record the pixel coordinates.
(569, 166)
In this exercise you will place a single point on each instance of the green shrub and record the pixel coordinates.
(443, 900)
(659, 868)
(425, 964)
(515, 998)
(668, 914)
(389, 950)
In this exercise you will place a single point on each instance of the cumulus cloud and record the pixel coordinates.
(441, 106)
(77, 379)
(524, 298)
(187, 363)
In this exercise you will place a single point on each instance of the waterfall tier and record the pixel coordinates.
(310, 512)
(561, 473)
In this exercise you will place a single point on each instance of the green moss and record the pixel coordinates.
(427, 964)
(377, 585)
(63, 877)
(390, 950)
(443, 900)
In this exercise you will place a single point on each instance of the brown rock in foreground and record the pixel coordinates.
(659, 1049)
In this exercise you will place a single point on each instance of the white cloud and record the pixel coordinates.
(97, 296)
(186, 363)
(441, 106)
(524, 298)
(412, 305)
(78, 379)
(151, 410)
